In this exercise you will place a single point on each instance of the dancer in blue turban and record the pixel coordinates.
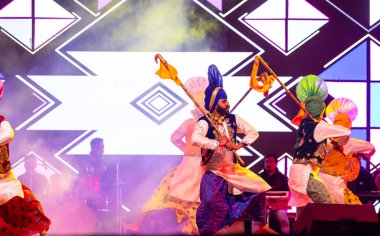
(228, 192)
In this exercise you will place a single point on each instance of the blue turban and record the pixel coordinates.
(214, 91)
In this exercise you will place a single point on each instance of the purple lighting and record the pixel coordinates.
(217, 3)
(103, 3)
(4, 3)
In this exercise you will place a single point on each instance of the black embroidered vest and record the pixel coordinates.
(307, 149)
(212, 134)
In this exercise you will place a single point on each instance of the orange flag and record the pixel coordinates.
(263, 84)
(299, 117)
(168, 72)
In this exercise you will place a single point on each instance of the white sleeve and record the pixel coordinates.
(6, 133)
(251, 133)
(199, 136)
(358, 146)
(324, 131)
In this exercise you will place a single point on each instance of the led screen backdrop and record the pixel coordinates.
(74, 70)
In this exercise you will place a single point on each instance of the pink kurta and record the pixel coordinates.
(179, 189)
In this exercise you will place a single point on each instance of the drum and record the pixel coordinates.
(89, 191)
(73, 217)
(89, 184)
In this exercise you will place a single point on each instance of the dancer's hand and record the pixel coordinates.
(231, 146)
(223, 141)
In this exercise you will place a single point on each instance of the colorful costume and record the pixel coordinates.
(342, 163)
(305, 184)
(228, 191)
(20, 211)
(179, 189)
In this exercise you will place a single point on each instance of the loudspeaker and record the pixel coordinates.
(337, 219)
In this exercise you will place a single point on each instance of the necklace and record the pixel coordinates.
(218, 120)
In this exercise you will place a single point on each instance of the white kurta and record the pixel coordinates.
(336, 184)
(299, 173)
(186, 181)
(240, 179)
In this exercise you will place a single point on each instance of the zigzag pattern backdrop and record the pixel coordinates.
(75, 70)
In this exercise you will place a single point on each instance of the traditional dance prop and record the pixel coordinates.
(264, 83)
(167, 71)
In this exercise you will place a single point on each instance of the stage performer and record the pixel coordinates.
(342, 163)
(305, 184)
(229, 192)
(179, 189)
(277, 219)
(20, 212)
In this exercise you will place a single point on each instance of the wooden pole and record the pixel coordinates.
(158, 56)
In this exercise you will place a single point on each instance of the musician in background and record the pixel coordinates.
(342, 162)
(364, 183)
(95, 165)
(95, 185)
(278, 219)
(36, 181)
(94, 173)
